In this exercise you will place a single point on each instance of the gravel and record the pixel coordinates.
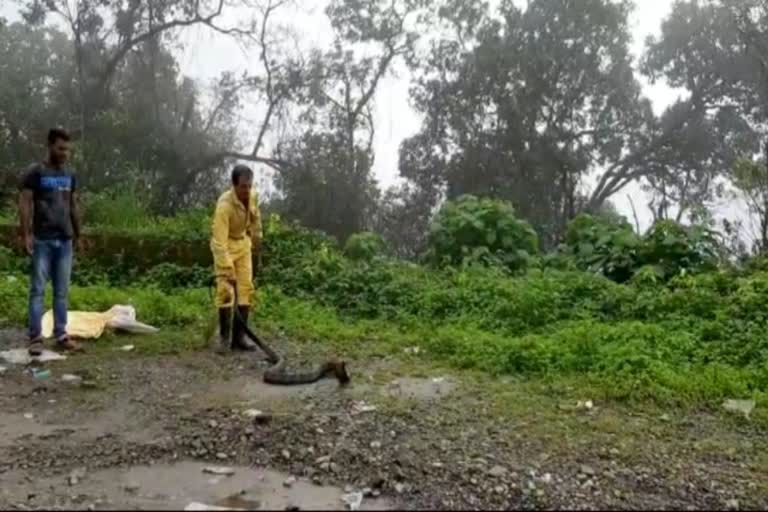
(434, 455)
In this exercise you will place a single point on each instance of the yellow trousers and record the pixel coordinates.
(240, 254)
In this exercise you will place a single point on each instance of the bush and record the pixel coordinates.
(674, 328)
(486, 231)
(599, 245)
(674, 248)
(364, 246)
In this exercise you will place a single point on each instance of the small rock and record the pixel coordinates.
(587, 470)
(546, 478)
(286, 454)
(324, 458)
(497, 471)
(732, 504)
(76, 475)
(399, 488)
(222, 456)
(375, 445)
(665, 418)
(213, 423)
(289, 481)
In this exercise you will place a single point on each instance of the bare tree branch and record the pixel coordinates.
(272, 99)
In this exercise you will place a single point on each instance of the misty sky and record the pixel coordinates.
(205, 54)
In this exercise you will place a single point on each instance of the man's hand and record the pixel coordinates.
(29, 243)
(81, 245)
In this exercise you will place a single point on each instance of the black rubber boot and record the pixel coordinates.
(224, 342)
(239, 340)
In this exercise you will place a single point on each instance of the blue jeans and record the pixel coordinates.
(51, 259)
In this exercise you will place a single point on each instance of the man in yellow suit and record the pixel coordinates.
(235, 237)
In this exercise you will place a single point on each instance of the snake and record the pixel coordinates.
(277, 373)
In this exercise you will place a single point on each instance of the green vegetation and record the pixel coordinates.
(632, 317)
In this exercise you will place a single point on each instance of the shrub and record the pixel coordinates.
(674, 248)
(599, 245)
(364, 246)
(472, 230)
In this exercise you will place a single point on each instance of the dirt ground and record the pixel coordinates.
(151, 432)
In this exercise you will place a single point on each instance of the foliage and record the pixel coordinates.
(750, 179)
(364, 246)
(674, 248)
(472, 230)
(616, 251)
(599, 245)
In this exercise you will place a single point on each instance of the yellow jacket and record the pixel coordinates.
(232, 224)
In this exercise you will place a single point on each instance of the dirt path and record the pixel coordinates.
(137, 433)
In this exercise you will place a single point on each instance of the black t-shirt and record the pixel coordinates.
(52, 192)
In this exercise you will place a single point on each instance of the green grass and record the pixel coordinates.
(620, 360)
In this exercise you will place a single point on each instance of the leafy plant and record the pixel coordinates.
(364, 246)
(478, 230)
(600, 245)
(674, 248)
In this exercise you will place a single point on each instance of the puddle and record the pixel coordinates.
(257, 392)
(16, 427)
(177, 486)
(420, 389)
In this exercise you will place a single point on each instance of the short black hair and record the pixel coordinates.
(55, 134)
(239, 171)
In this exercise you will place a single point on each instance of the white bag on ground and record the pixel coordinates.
(91, 325)
(123, 318)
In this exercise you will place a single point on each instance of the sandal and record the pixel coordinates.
(36, 347)
(66, 344)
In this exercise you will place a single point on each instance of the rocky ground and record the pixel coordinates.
(138, 432)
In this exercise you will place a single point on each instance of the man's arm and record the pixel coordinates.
(26, 210)
(25, 213)
(220, 239)
(74, 213)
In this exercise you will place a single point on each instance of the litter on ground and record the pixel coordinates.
(743, 406)
(21, 356)
(360, 407)
(195, 506)
(353, 500)
(217, 470)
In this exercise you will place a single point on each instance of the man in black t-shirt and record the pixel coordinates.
(50, 225)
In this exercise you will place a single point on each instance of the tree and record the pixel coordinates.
(135, 116)
(526, 104)
(704, 50)
(369, 37)
(750, 179)
(402, 218)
